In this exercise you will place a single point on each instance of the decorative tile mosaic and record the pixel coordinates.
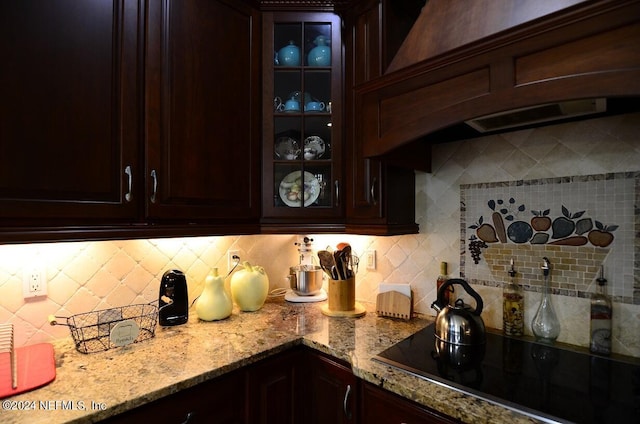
(580, 223)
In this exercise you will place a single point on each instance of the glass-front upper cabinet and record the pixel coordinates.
(302, 118)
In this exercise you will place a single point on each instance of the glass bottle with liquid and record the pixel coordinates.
(442, 278)
(512, 306)
(601, 311)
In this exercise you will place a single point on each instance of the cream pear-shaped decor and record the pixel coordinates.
(249, 287)
(214, 303)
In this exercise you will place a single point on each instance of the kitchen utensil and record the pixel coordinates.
(321, 54)
(91, 331)
(337, 257)
(342, 299)
(287, 148)
(309, 153)
(316, 143)
(394, 300)
(291, 296)
(292, 189)
(7, 345)
(314, 106)
(346, 261)
(288, 55)
(545, 325)
(305, 280)
(328, 264)
(292, 106)
(35, 367)
(174, 286)
(458, 323)
(278, 105)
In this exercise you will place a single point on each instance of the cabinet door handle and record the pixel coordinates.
(374, 198)
(188, 418)
(345, 409)
(154, 191)
(337, 187)
(128, 195)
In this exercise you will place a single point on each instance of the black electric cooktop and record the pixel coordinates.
(546, 382)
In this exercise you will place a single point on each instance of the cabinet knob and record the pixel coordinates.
(337, 188)
(128, 195)
(154, 191)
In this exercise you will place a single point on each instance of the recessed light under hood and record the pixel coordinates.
(538, 114)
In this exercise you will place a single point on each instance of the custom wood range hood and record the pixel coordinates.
(464, 60)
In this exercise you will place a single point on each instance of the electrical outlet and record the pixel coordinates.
(230, 261)
(370, 259)
(34, 282)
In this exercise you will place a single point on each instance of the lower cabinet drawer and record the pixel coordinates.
(219, 401)
(381, 406)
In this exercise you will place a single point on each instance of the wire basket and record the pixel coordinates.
(91, 331)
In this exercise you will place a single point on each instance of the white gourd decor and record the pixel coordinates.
(214, 303)
(250, 287)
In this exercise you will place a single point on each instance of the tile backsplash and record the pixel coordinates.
(580, 223)
(84, 276)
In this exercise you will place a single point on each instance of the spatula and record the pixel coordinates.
(327, 263)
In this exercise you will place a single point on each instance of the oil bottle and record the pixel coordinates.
(601, 311)
(512, 306)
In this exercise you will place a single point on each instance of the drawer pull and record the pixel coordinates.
(188, 418)
(154, 177)
(374, 199)
(128, 195)
(345, 409)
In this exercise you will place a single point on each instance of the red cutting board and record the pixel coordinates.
(36, 367)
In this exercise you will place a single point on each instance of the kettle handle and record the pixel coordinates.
(441, 294)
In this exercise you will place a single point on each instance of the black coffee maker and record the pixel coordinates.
(173, 299)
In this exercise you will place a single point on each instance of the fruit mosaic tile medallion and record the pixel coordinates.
(580, 223)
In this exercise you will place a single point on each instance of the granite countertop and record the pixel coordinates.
(91, 387)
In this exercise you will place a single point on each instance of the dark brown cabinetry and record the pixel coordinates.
(70, 112)
(297, 386)
(273, 389)
(127, 119)
(382, 406)
(334, 390)
(303, 183)
(217, 401)
(203, 112)
(381, 196)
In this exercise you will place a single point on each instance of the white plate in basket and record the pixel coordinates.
(311, 186)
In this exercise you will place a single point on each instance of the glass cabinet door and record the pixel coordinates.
(301, 121)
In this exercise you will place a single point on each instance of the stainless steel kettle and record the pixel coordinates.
(459, 324)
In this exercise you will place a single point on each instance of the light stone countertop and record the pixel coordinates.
(183, 356)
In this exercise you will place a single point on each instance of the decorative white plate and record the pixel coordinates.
(316, 143)
(291, 189)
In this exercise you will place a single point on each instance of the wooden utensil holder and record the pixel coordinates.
(342, 294)
(342, 299)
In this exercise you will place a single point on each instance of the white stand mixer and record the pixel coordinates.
(305, 279)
